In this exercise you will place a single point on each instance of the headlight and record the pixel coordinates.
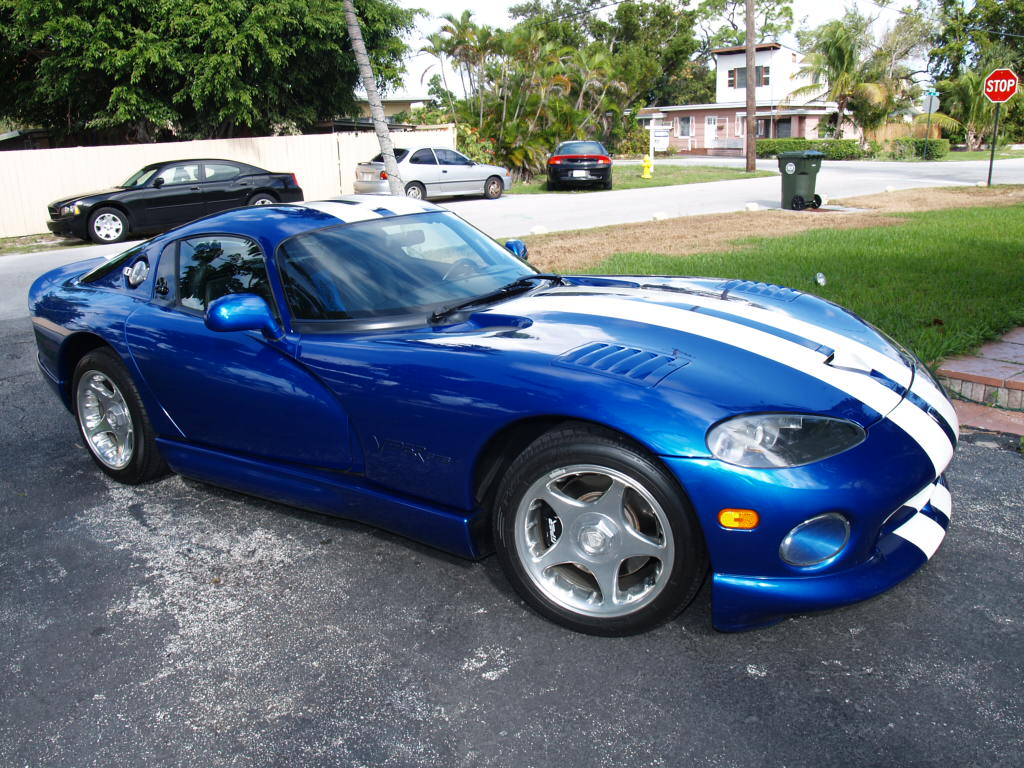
(781, 439)
(70, 208)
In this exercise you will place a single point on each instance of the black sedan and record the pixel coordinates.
(580, 163)
(164, 195)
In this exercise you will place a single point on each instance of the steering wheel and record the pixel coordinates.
(463, 267)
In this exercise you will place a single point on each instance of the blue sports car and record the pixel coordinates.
(613, 439)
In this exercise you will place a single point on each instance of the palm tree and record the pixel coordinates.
(836, 71)
(437, 47)
(380, 125)
(964, 101)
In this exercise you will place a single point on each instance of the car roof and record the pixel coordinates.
(278, 222)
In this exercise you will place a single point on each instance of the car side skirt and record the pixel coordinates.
(327, 492)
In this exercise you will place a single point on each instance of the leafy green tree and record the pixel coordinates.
(724, 21)
(140, 70)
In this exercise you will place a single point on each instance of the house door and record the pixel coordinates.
(783, 129)
(711, 131)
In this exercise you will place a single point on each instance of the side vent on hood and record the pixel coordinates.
(638, 365)
(760, 291)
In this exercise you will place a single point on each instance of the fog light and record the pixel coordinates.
(744, 519)
(816, 540)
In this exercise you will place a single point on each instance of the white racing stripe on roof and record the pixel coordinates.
(923, 532)
(342, 211)
(915, 422)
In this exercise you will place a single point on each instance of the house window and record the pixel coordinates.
(684, 127)
(763, 128)
(737, 78)
(740, 124)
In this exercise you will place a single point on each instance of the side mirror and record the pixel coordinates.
(243, 312)
(158, 182)
(518, 247)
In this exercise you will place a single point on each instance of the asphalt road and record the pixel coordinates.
(176, 624)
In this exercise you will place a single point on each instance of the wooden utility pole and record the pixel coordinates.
(380, 123)
(751, 130)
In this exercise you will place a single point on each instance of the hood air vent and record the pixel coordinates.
(637, 365)
(752, 289)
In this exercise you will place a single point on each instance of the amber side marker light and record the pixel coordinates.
(743, 519)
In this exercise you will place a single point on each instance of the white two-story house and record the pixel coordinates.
(719, 128)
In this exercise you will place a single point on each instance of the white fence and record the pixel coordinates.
(325, 165)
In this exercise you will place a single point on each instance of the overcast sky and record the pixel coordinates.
(806, 14)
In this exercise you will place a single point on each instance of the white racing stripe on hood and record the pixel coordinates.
(842, 345)
(342, 211)
(915, 422)
(928, 392)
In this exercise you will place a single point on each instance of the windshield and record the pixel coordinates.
(581, 148)
(139, 178)
(392, 266)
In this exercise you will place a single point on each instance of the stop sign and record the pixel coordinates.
(1001, 85)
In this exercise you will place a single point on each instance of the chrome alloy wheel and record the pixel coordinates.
(108, 227)
(262, 201)
(105, 419)
(594, 541)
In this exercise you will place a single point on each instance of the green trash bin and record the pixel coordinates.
(799, 171)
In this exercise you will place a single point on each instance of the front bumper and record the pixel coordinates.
(70, 226)
(745, 602)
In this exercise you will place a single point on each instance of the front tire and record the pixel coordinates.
(493, 188)
(108, 225)
(113, 421)
(595, 535)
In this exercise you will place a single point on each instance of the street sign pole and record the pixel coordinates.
(928, 131)
(995, 137)
(1001, 85)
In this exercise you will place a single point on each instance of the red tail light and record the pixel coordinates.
(295, 180)
(602, 159)
(383, 175)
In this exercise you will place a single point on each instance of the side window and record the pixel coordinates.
(220, 171)
(212, 266)
(180, 174)
(450, 157)
(423, 157)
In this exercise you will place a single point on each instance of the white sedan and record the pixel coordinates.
(428, 172)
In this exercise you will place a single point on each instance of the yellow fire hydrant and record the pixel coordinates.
(648, 165)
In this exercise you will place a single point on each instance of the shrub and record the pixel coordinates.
(910, 147)
(833, 149)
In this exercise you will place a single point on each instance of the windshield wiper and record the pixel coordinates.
(506, 290)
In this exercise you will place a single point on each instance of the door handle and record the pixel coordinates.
(193, 189)
(444, 171)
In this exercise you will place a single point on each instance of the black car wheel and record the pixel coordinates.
(113, 421)
(415, 190)
(607, 184)
(553, 185)
(595, 535)
(108, 225)
(262, 198)
(493, 188)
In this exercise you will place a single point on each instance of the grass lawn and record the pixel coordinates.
(628, 177)
(941, 284)
(1001, 154)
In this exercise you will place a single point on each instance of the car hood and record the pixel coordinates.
(100, 193)
(732, 346)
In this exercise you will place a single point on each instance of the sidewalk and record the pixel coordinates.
(989, 386)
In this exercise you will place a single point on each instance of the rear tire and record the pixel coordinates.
(595, 535)
(108, 225)
(262, 198)
(607, 183)
(493, 188)
(113, 421)
(553, 186)
(415, 190)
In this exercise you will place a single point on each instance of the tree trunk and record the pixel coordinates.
(380, 125)
(751, 130)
